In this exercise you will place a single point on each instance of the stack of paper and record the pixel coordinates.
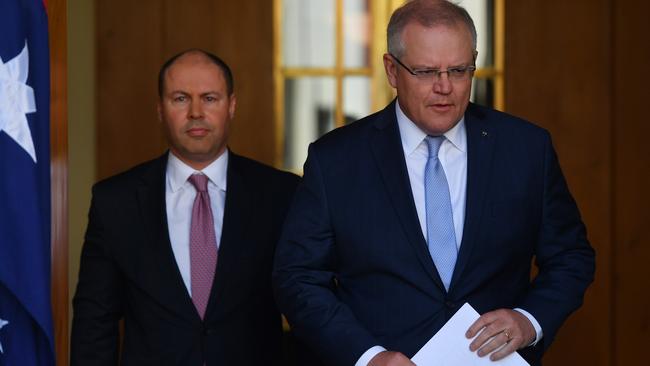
(450, 347)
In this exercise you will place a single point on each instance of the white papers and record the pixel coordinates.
(450, 347)
(2, 324)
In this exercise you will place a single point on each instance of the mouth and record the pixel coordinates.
(197, 132)
(441, 107)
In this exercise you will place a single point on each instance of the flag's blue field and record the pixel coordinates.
(26, 335)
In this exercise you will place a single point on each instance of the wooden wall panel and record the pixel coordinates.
(132, 45)
(558, 55)
(631, 332)
(189, 24)
(246, 40)
(129, 53)
(240, 33)
(57, 25)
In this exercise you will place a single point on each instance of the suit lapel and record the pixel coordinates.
(389, 156)
(481, 139)
(239, 204)
(162, 267)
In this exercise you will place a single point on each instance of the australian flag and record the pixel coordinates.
(26, 336)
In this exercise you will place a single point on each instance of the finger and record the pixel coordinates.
(509, 348)
(479, 324)
(493, 344)
(485, 336)
(482, 322)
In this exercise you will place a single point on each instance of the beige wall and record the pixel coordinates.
(81, 126)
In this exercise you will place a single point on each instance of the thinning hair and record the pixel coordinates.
(225, 69)
(428, 13)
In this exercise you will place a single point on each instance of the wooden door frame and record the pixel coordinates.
(57, 20)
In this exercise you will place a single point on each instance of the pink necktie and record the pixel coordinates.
(203, 245)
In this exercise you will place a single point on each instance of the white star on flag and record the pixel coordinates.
(2, 324)
(16, 100)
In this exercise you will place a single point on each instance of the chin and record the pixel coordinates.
(436, 128)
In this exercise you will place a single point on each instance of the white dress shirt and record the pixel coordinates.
(453, 157)
(179, 199)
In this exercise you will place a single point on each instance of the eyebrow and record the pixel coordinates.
(427, 67)
(202, 94)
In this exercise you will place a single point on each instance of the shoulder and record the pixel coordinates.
(149, 172)
(357, 129)
(504, 123)
(348, 140)
(260, 173)
(513, 138)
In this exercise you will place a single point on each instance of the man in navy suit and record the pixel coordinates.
(181, 247)
(407, 214)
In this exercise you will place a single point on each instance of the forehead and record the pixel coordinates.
(438, 44)
(194, 72)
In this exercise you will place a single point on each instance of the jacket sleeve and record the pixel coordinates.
(564, 257)
(305, 273)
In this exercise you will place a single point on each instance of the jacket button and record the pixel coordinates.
(450, 305)
(208, 331)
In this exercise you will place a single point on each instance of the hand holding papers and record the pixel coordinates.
(450, 347)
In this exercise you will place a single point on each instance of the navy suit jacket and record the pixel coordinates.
(128, 271)
(352, 268)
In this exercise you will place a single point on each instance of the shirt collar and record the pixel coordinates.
(178, 171)
(412, 136)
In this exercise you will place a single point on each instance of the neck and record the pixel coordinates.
(197, 163)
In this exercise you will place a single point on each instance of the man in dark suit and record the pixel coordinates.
(407, 214)
(181, 247)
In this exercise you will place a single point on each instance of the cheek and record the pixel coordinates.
(464, 91)
(177, 126)
(175, 130)
(174, 118)
(219, 122)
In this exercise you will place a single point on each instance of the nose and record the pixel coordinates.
(196, 110)
(442, 84)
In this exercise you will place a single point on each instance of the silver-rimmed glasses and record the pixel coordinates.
(456, 73)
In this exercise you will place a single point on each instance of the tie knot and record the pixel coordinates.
(199, 181)
(433, 143)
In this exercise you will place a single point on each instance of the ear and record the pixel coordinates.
(232, 103)
(391, 70)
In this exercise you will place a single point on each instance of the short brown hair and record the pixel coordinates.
(428, 13)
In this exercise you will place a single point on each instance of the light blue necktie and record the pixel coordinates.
(441, 236)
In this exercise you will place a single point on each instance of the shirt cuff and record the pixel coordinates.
(365, 358)
(538, 329)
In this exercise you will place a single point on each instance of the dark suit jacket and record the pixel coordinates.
(128, 270)
(352, 267)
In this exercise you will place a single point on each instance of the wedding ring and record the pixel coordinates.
(507, 333)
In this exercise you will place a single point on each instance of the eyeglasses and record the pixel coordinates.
(457, 73)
